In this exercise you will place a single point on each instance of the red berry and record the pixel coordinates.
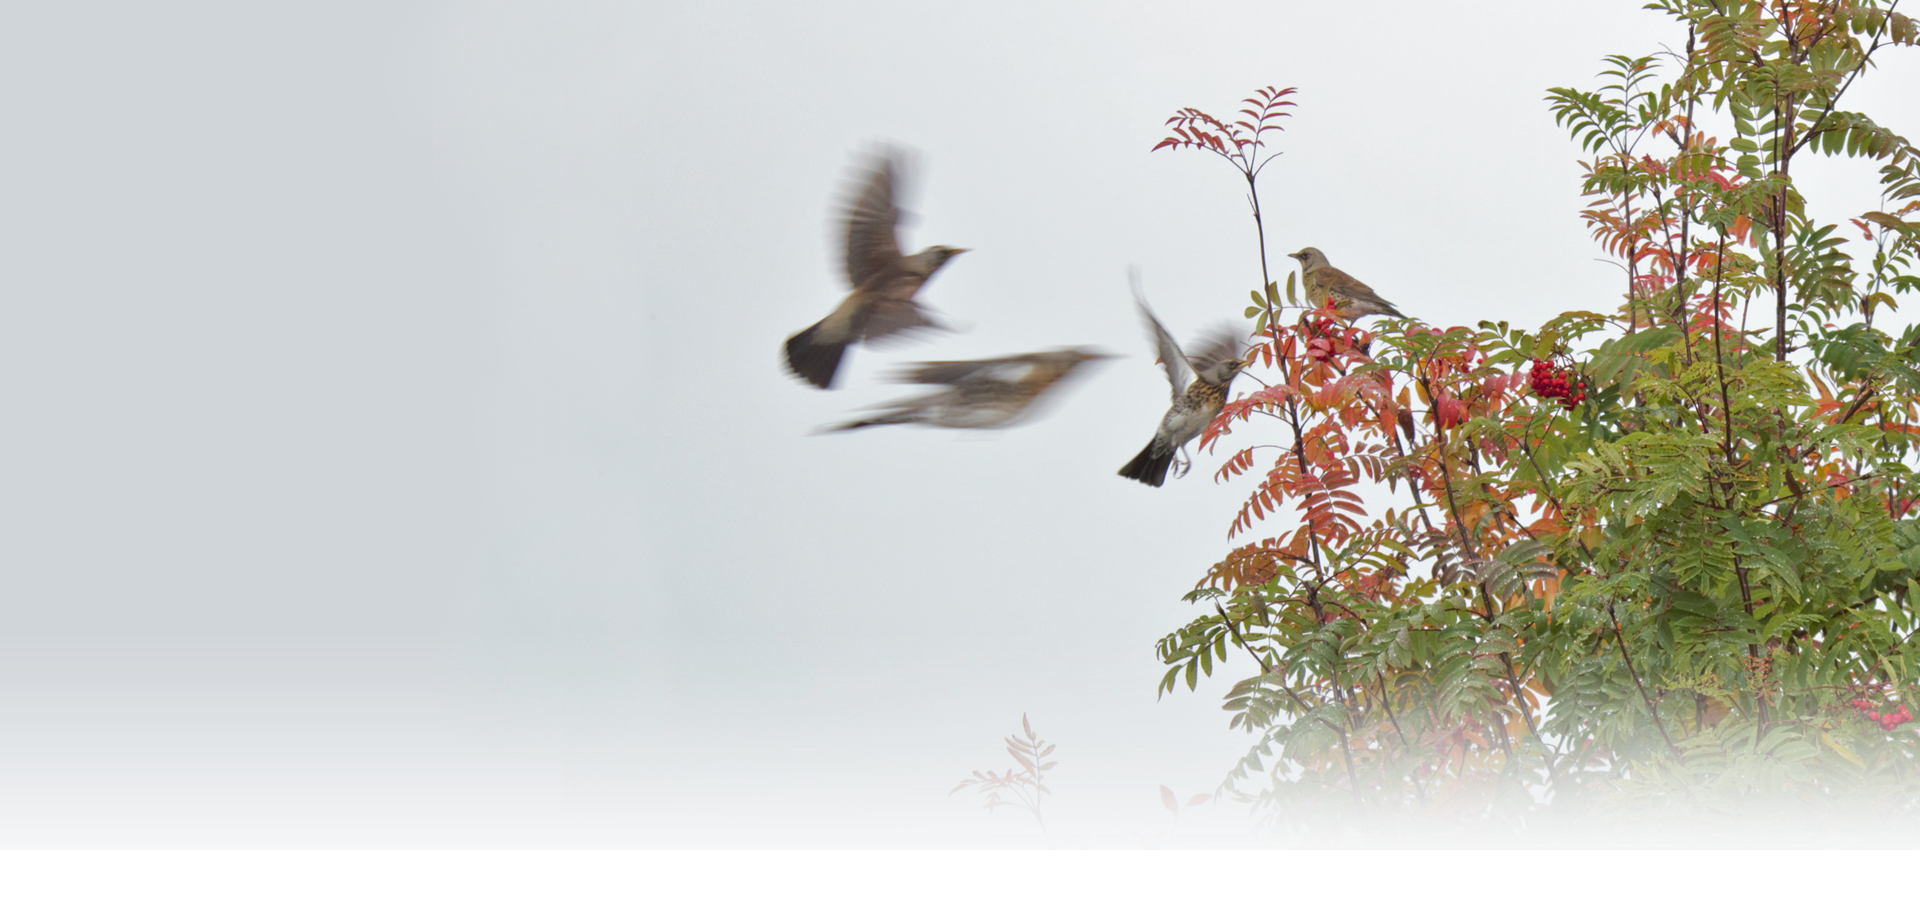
(1873, 716)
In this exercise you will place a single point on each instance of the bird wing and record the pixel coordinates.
(1216, 350)
(1179, 372)
(872, 249)
(1002, 369)
(1350, 288)
(894, 318)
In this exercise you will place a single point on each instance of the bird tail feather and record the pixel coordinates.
(813, 357)
(1150, 466)
(898, 416)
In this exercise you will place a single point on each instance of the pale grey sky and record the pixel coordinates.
(399, 452)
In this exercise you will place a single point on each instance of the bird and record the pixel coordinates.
(1353, 298)
(884, 281)
(978, 393)
(1211, 369)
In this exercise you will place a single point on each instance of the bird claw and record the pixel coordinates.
(1182, 464)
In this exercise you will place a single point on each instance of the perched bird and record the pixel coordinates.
(1211, 369)
(978, 393)
(884, 282)
(1353, 298)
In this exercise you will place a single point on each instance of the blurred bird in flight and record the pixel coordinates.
(884, 281)
(1353, 298)
(1210, 369)
(978, 393)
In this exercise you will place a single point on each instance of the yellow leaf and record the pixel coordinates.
(1842, 750)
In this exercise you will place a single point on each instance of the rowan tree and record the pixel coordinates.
(1655, 553)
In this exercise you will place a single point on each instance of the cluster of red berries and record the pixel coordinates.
(1326, 340)
(1887, 720)
(1554, 381)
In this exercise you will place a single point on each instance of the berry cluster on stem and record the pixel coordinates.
(1327, 334)
(1555, 380)
(1887, 720)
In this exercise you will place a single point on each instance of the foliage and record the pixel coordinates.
(1164, 839)
(1642, 557)
(1026, 784)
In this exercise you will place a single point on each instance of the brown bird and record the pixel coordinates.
(884, 282)
(1210, 369)
(979, 393)
(1353, 298)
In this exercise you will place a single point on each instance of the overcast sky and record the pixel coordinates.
(398, 452)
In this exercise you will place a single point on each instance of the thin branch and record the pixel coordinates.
(1814, 128)
(1386, 703)
(1651, 710)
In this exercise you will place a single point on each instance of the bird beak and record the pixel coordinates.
(1296, 255)
(956, 251)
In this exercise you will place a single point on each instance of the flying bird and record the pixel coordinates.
(884, 282)
(978, 393)
(1199, 381)
(1353, 298)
